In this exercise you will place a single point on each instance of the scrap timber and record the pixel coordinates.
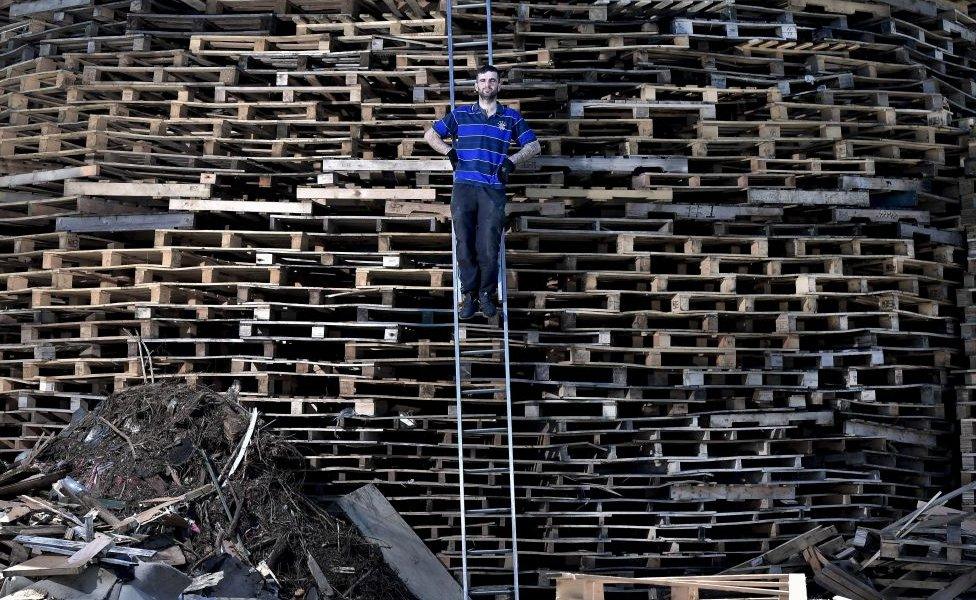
(928, 553)
(741, 272)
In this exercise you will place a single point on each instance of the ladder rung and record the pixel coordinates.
(490, 590)
(485, 430)
(496, 552)
(489, 511)
(480, 391)
(486, 470)
(479, 352)
(472, 5)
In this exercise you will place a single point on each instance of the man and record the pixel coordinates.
(482, 133)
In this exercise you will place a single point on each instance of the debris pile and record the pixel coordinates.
(170, 489)
(929, 553)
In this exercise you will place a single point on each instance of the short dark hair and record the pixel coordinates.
(485, 68)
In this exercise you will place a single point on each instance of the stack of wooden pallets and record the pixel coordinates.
(737, 273)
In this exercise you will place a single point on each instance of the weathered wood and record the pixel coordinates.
(684, 492)
(321, 582)
(326, 193)
(349, 165)
(137, 190)
(21, 9)
(99, 544)
(809, 197)
(43, 566)
(854, 182)
(579, 586)
(615, 164)
(68, 547)
(36, 177)
(377, 520)
(786, 551)
(956, 587)
(241, 206)
(146, 222)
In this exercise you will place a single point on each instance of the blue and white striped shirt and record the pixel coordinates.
(482, 142)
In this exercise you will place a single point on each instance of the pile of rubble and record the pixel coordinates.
(165, 490)
(929, 553)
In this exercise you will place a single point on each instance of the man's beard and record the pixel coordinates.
(487, 97)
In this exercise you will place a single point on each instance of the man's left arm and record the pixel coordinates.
(526, 153)
(526, 138)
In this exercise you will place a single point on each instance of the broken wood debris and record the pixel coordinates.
(929, 553)
(135, 507)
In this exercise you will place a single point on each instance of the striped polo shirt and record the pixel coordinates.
(481, 141)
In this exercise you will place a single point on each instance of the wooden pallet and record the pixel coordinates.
(591, 587)
(740, 297)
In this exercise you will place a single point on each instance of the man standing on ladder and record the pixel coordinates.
(482, 133)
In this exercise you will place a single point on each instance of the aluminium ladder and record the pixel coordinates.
(467, 388)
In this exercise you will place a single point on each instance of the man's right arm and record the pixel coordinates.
(436, 142)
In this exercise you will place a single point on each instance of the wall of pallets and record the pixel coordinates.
(740, 274)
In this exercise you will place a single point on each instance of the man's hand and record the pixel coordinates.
(504, 170)
(453, 157)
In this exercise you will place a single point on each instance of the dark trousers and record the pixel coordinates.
(479, 215)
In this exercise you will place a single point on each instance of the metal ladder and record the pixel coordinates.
(472, 392)
(467, 388)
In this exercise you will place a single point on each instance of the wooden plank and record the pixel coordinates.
(69, 548)
(91, 549)
(963, 583)
(940, 236)
(707, 211)
(21, 9)
(349, 165)
(596, 194)
(241, 206)
(889, 432)
(691, 491)
(419, 569)
(614, 164)
(808, 197)
(26, 594)
(126, 222)
(857, 182)
(38, 504)
(396, 207)
(44, 566)
(333, 193)
(137, 190)
(14, 513)
(36, 177)
(325, 588)
(788, 550)
(761, 585)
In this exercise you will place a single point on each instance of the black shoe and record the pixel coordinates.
(468, 306)
(487, 303)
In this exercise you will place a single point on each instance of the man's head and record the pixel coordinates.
(487, 83)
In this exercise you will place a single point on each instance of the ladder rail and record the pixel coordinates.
(458, 413)
(503, 293)
(488, 29)
(503, 289)
(459, 393)
(457, 333)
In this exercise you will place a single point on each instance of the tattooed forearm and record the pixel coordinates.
(526, 153)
